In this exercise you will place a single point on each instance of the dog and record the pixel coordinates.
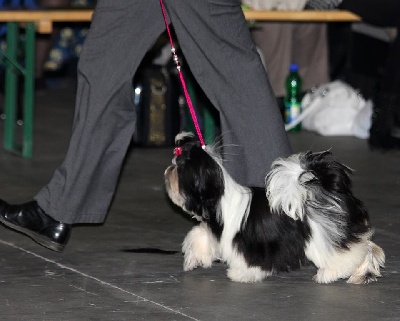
(306, 212)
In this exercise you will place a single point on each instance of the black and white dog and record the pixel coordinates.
(307, 211)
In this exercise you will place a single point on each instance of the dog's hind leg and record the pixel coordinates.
(369, 270)
(200, 248)
(360, 263)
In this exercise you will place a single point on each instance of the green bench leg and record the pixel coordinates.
(13, 68)
(11, 86)
(29, 91)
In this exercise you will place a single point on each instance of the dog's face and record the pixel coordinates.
(194, 181)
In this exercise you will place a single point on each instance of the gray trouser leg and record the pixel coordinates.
(81, 189)
(216, 42)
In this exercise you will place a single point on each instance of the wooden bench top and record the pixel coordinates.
(44, 18)
(305, 15)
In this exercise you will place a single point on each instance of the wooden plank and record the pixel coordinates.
(305, 15)
(44, 19)
(46, 15)
(44, 26)
(69, 15)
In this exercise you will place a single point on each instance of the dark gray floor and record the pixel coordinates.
(102, 275)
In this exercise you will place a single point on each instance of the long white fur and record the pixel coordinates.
(234, 210)
(235, 206)
(285, 192)
(331, 222)
(374, 260)
(200, 248)
(334, 264)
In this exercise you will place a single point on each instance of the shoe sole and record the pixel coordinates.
(40, 239)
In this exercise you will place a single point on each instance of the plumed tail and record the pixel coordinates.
(284, 188)
(314, 177)
(369, 270)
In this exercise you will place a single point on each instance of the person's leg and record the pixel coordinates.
(385, 128)
(82, 187)
(217, 44)
(384, 13)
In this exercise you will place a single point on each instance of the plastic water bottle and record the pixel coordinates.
(292, 98)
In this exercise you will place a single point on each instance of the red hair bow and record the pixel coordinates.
(177, 151)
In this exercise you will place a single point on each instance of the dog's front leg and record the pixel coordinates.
(200, 248)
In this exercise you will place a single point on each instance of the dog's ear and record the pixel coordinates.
(201, 180)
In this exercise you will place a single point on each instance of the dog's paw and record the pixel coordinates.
(325, 276)
(199, 248)
(247, 275)
(191, 261)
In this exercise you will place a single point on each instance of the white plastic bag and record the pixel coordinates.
(335, 109)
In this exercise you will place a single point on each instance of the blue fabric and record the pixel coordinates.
(17, 3)
(14, 4)
(66, 48)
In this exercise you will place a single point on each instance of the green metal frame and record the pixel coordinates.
(208, 118)
(12, 69)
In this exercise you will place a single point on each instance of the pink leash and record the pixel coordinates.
(178, 67)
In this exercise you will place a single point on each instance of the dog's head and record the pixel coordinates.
(195, 180)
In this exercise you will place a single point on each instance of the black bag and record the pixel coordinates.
(157, 105)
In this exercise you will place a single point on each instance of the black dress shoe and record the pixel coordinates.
(31, 220)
